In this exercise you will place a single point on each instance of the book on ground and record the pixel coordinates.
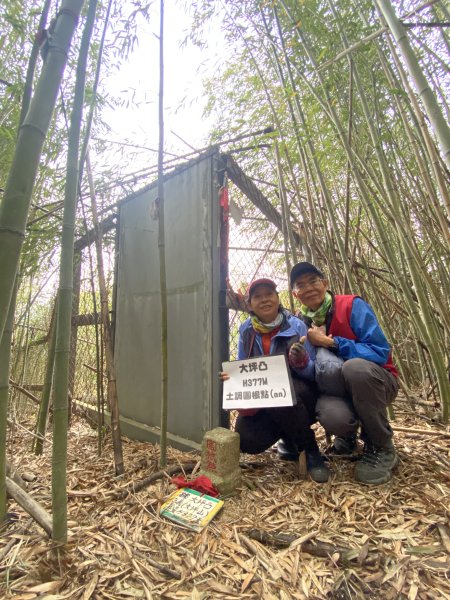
(190, 508)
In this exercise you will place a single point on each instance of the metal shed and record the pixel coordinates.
(192, 230)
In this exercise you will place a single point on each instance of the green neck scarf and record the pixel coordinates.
(318, 316)
(261, 327)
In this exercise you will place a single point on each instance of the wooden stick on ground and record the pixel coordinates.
(444, 537)
(12, 473)
(160, 567)
(140, 485)
(4, 551)
(29, 504)
(302, 467)
(342, 556)
(421, 431)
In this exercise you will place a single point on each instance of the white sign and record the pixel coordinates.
(257, 382)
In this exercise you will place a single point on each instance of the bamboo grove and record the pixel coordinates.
(356, 162)
(364, 162)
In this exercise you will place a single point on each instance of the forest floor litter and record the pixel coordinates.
(387, 542)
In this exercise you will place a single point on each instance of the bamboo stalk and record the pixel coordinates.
(428, 142)
(342, 556)
(19, 187)
(96, 318)
(41, 424)
(287, 229)
(437, 119)
(113, 399)
(62, 351)
(313, 154)
(33, 508)
(162, 248)
(5, 357)
(28, 85)
(423, 318)
(24, 391)
(94, 235)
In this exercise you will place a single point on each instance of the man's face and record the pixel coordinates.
(310, 289)
(264, 302)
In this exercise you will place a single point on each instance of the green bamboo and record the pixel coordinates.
(428, 142)
(24, 366)
(345, 285)
(308, 247)
(113, 399)
(288, 240)
(307, 224)
(5, 357)
(28, 86)
(98, 340)
(22, 175)
(83, 156)
(437, 119)
(424, 148)
(162, 249)
(424, 318)
(400, 209)
(62, 351)
(41, 424)
(93, 104)
(420, 312)
(329, 204)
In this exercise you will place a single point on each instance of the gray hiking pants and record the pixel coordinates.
(369, 389)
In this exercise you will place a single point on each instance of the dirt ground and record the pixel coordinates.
(390, 541)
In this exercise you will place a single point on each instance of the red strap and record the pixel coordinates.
(201, 484)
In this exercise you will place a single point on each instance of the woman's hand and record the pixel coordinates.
(223, 376)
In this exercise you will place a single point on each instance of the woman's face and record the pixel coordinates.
(264, 302)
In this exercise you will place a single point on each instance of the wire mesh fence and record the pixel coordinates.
(256, 249)
(89, 372)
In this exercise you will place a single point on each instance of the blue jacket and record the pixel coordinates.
(291, 330)
(369, 341)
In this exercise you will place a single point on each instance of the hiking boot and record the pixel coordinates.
(376, 464)
(317, 469)
(343, 445)
(287, 450)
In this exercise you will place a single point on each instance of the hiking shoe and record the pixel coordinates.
(287, 450)
(317, 469)
(376, 464)
(343, 445)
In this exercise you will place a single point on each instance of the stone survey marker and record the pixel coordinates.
(220, 459)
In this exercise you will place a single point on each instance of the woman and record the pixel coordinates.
(273, 330)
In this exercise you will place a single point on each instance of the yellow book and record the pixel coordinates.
(190, 508)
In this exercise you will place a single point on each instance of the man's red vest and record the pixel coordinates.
(340, 324)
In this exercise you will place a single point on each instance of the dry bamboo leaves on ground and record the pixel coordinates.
(393, 540)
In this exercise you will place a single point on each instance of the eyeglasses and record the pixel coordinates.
(300, 287)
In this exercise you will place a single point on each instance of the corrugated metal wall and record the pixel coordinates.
(192, 268)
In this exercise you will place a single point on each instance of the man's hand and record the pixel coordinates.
(298, 357)
(223, 376)
(318, 337)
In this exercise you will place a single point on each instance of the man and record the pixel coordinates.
(348, 327)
